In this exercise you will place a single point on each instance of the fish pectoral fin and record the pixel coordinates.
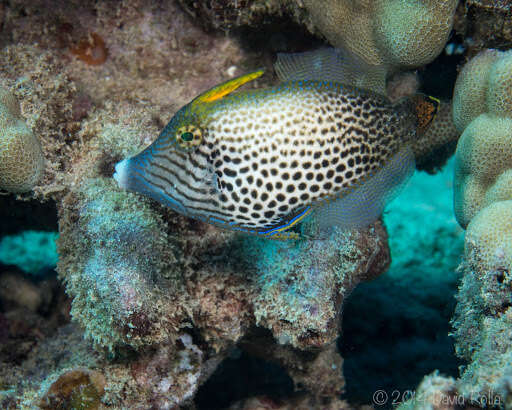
(228, 87)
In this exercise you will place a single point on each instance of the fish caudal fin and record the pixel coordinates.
(330, 64)
(425, 107)
(364, 204)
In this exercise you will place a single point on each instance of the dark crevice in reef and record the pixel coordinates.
(391, 340)
(438, 78)
(242, 376)
(278, 35)
(18, 216)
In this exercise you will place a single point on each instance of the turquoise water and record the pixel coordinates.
(31, 251)
(395, 328)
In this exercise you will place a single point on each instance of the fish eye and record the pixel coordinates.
(189, 136)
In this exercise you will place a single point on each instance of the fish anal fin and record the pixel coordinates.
(362, 205)
(285, 236)
(228, 87)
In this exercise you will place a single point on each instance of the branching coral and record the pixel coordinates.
(21, 157)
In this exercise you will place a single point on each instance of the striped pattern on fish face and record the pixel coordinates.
(176, 173)
(265, 156)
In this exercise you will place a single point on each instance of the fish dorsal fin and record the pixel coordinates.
(228, 87)
(331, 64)
(364, 203)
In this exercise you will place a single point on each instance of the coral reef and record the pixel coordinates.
(482, 203)
(166, 296)
(158, 301)
(481, 109)
(487, 23)
(21, 157)
(391, 34)
(483, 320)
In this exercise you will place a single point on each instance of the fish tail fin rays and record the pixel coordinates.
(425, 108)
(365, 203)
(331, 64)
(221, 90)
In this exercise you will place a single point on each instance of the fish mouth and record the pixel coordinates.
(132, 176)
(121, 174)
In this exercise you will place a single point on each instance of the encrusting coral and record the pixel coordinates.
(21, 156)
(483, 318)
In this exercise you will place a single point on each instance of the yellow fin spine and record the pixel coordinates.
(228, 87)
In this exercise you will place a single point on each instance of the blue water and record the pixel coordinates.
(395, 328)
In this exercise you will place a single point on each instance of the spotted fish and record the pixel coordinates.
(260, 161)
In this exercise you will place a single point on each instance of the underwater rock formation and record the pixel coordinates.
(487, 23)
